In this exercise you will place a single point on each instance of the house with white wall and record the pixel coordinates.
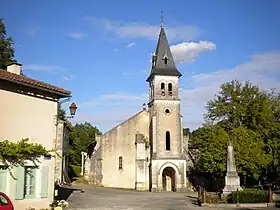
(29, 109)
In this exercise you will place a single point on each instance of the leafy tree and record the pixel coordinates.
(240, 112)
(81, 136)
(211, 142)
(186, 131)
(61, 113)
(6, 47)
(249, 152)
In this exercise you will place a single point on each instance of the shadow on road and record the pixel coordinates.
(65, 192)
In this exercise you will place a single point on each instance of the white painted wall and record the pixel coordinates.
(25, 116)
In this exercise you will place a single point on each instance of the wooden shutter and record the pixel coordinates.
(3, 179)
(44, 181)
(19, 183)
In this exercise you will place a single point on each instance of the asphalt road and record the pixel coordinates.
(106, 198)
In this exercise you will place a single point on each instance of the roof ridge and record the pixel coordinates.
(8, 76)
(125, 121)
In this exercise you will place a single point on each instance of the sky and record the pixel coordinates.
(101, 50)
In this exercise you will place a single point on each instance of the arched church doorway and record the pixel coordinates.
(168, 179)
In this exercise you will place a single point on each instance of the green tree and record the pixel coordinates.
(186, 131)
(81, 136)
(61, 113)
(211, 142)
(249, 117)
(250, 153)
(6, 47)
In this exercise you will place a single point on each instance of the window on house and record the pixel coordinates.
(120, 163)
(162, 88)
(29, 181)
(170, 89)
(167, 140)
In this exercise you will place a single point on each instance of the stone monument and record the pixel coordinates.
(232, 180)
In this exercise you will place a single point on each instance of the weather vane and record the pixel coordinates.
(161, 19)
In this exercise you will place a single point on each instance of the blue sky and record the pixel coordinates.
(101, 50)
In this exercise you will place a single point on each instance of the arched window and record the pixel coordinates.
(170, 89)
(167, 140)
(165, 60)
(162, 88)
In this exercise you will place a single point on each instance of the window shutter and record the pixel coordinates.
(19, 183)
(44, 181)
(3, 179)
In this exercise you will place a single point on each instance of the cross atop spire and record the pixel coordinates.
(161, 19)
(163, 62)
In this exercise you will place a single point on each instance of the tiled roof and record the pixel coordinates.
(20, 79)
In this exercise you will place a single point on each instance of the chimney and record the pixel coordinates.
(14, 68)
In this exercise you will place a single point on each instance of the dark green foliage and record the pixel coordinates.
(186, 131)
(61, 113)
(81, 136)
(76, 170)
(249, 196)
(17, 153)
(6, 47)
(250, 118)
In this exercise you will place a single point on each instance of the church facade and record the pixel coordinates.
(148, 150)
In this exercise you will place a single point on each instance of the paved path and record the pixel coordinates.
(106, 198)
(95, 198)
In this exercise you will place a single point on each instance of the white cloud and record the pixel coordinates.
(131, 44)
(261, 69)
(36, 67)
(115, 99)
(105, 121)
(127, 74)
(76, 35)
(144, 30)
(68, 78)
(33, 30)
(187, 52)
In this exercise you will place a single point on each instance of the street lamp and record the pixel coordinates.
(73, 107)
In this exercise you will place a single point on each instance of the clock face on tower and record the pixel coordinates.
(167, 111)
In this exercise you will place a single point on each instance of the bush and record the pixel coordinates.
(214, 198)
(249, 196)
(75, 171)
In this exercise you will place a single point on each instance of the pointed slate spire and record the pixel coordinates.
(163, 62)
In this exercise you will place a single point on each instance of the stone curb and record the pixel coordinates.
(241, 205)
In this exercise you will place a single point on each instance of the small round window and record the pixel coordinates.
(167, 111)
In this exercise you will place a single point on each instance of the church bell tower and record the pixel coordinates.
(167, 164)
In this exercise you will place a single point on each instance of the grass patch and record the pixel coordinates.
(74, 172)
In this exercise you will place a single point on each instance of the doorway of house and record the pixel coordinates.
(168, 179)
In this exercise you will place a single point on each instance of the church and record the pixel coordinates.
(147, 151)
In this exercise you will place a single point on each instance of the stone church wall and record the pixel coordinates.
(95, 168)
(120, 142)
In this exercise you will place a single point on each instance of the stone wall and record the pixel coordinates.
(120, 142)
(93, 164)
(61, 147)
